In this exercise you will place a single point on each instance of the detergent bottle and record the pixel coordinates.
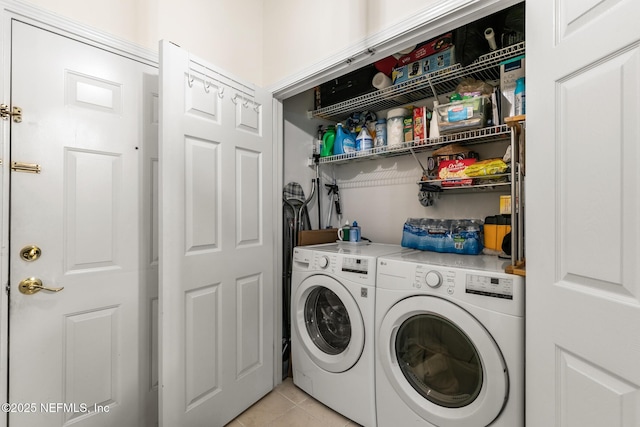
(344, 143)
(328, 140)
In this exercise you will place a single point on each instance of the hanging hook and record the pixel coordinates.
(190, 79)
(245, 103)
(235, 99)
(207, 85)
(256, 107)
(221, 92)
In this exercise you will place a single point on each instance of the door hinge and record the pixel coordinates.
(25, 167)
(7, 289)
(15, 112)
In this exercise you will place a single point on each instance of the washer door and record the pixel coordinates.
(328, 323)
(442, 362)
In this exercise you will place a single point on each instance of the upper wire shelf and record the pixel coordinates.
(493, 133)
(484, 68)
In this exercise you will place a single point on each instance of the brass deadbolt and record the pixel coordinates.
(30, 253)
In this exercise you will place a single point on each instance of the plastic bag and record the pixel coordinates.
(486, 167)
(470, 87)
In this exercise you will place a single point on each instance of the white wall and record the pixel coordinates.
(262, 41)
(300, 33)
(228, 33)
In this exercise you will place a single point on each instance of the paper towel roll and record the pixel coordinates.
(491, 38)
(381, 81)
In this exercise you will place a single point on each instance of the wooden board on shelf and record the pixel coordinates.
(518, 269)
(510, 121)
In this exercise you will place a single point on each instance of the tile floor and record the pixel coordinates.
(288, 406)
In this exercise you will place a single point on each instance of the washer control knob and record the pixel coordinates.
(323, 261)
(433, 279)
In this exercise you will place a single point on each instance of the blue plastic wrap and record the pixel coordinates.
(458, 236)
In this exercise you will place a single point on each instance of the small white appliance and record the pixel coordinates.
(450, 341)
(332, 323)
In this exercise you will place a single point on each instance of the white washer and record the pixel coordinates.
(450, 341)
(332, 322)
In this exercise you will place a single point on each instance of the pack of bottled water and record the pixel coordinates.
(458, 236)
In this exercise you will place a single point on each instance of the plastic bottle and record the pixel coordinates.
(364, 140)
(328, 142)
(317, 143)
(354, 232)
(395, 125)
(344, 143)
(381, 133)
(519, 103)
(434, 129)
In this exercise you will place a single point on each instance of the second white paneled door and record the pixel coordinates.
(582, 207)
(216, 249)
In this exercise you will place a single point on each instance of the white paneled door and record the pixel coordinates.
(75, 227)
(216, 243)
(583, 210)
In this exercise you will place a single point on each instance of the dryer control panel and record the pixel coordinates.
(489, 286)
(447, 279)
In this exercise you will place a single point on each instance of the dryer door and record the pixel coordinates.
(442, 362)
(328, 323)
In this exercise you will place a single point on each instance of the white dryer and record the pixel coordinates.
(332, 323)
(450, 340)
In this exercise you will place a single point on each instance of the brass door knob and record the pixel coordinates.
(32, 285)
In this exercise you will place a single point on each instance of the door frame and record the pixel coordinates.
(429, 23)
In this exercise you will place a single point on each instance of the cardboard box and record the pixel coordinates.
(339, 89)
(432, 63)
(420, 125)
(505, 205)
(315, 237)
(452, 172)
(510, 71)
(407, 129)
(427, 49)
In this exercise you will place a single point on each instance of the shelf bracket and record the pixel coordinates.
(424, 171)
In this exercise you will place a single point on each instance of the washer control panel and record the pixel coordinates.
(433, 279)
(323, 261)
(341, 265)
(427, 277)
(355, 265)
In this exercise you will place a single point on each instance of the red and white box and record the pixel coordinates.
(452, 172)
(427, 49)
(420, 125)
